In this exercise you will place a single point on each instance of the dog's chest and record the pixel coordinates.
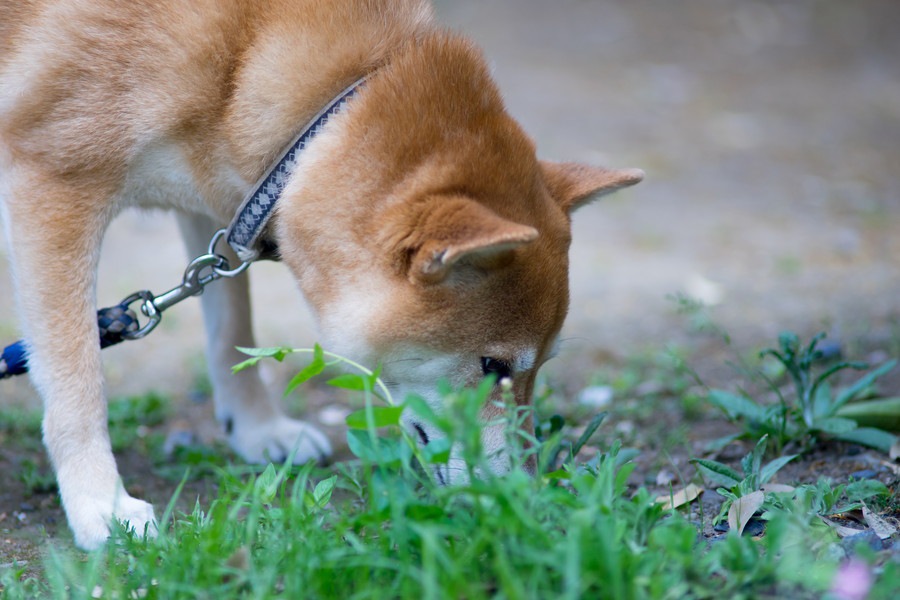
(162, 175)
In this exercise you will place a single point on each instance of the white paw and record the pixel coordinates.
(90, 517)
(278, 439)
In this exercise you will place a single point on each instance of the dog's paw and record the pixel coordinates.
(279, 439)
(90, 518)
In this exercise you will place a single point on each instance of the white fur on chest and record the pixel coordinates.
(160, 176)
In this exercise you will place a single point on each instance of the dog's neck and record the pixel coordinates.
(247, 235)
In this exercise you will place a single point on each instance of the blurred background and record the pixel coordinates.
(770, 134)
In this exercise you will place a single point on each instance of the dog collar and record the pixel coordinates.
(246, 234)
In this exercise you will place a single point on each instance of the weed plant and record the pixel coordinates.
(814, 411)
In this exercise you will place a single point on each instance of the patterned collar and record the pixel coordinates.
(246, 234)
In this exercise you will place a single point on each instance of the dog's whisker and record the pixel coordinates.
(406, 359)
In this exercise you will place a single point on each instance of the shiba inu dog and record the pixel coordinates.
(419, 224)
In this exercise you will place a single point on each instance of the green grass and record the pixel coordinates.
(379, 526)
(379, 531)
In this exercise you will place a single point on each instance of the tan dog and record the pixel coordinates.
(419, 224)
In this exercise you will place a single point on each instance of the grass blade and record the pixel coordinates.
(588, 432)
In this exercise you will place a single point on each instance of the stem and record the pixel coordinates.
(389, 398)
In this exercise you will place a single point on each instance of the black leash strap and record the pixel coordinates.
(115, 323)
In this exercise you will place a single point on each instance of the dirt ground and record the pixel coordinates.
(770, 134)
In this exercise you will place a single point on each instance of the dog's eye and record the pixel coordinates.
(494, 366)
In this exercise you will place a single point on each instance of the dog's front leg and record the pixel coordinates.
(54, 249)
(253, 421)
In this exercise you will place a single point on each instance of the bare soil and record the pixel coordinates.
(769, 132)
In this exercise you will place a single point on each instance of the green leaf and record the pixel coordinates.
(789, 342)
(309, 371)
(245, 364)
(556, 424)
(424, 512)
(278, 353)
(717, 472)
(883, 413)
(557, 475)
(420, 406)
(323, 490)
(266, 485)
(768, 471)
(382, 416)
(871, 437)
(719, 443)
(437, 451)
(865, 489)
(736, 406)
(626, 455)
(822, 402)
(835, 425)
(588, 432)
(752, 461)
(354, 382)
(850, 392)
(378, 451)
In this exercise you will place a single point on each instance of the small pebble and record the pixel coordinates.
(649, 388)
(596, 396)
(877, 357)
(867, 537)
(664, 477)
(178, 438)
(864, 474)
(829, 350)
(198, 397)
(333, 415)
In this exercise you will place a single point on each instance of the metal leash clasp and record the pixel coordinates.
(201, 271)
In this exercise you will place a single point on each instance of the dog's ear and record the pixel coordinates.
(573, 185)
(444, 233)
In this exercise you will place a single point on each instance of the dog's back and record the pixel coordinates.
(105, 79)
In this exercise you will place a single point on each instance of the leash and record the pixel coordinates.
(245, 235)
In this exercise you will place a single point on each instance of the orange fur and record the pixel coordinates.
(420, 225)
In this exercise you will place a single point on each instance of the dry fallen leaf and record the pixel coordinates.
(681, 497)
(842, 530)
(743, 509)
(882, 528)
(894, 468)
(776, 487)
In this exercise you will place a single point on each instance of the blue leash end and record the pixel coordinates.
(14, 360)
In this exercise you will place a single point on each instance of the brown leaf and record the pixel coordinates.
(776, 487)
(882, 527)
(894, 468)
(684, 496)
(842, 530)
(743, 509)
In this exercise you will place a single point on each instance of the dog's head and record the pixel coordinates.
(429, 238)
